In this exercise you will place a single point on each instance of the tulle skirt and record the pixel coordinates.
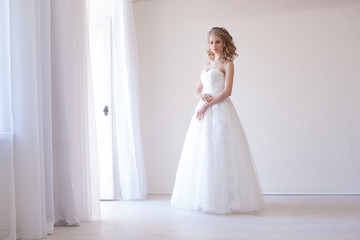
(216, 173)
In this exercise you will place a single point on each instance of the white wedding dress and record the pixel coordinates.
(216, 173)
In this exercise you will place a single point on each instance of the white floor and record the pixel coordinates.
(285, 217)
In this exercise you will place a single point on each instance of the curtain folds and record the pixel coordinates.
(7, 193)
(47, 157)
(31, 112)
(71, 115)
(129, 169)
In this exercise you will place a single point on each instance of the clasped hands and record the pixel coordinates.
(207, 99)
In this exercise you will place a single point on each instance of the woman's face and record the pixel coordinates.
(216, 45)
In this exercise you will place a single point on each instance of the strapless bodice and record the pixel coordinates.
(213, 81)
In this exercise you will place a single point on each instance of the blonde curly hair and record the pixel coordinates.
(229, 46)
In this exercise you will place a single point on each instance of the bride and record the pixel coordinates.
(216, 173)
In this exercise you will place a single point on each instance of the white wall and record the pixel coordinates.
(296, 87)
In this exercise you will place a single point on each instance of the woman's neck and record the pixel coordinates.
(219, 57)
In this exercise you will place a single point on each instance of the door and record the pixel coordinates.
(100, 50)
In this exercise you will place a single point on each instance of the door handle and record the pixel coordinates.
(106, 110)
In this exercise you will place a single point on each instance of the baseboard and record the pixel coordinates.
(159, 193)
(309, 193)
(295, 193)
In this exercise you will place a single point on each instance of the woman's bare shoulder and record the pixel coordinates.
(228, 63)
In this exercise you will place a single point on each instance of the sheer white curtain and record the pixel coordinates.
(45, 128)
(130, 182)
(31, 116)
(7, 195)
(73, 122)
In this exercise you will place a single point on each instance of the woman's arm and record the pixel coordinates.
(198, 90)
(198, 93)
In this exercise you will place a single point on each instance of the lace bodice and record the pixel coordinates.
(213, 81)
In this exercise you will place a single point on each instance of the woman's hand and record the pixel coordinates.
(206, 97)
(200, 113)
